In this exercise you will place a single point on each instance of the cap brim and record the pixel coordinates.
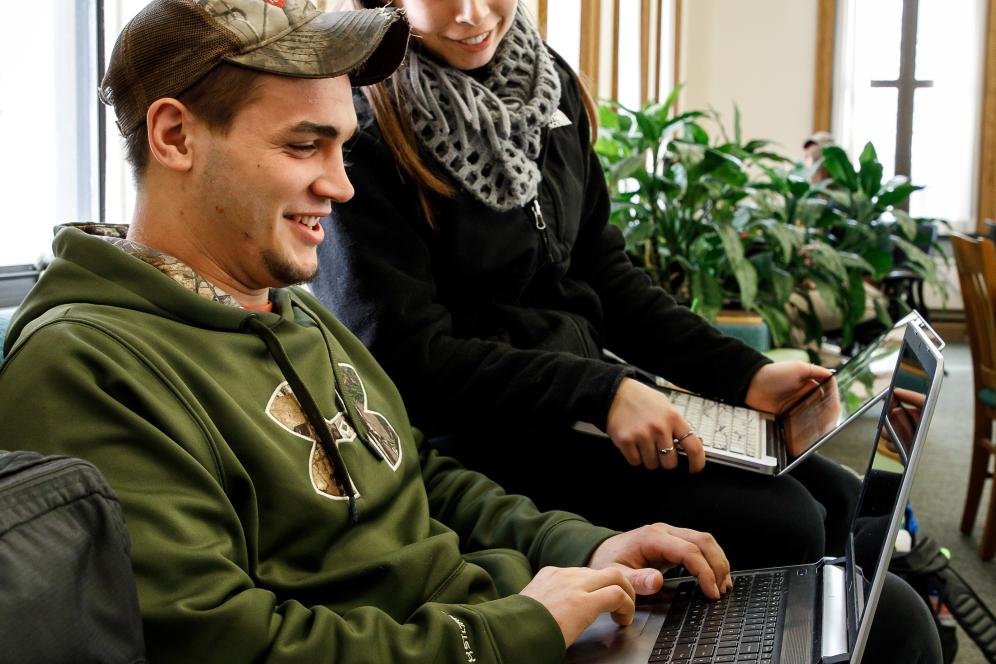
(366, 44)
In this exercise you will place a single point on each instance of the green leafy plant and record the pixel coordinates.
(718, 221)
(868, 218)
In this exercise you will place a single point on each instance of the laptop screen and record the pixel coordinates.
(902, 427)
(852, 390)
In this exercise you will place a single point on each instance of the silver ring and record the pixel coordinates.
(691, 432)
(664, 451)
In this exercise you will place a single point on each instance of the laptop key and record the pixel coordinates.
(681, 651)
(704, 651)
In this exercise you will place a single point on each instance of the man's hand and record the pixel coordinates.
(575, 596)
(775, 386)
(642, 422)
(645, 552)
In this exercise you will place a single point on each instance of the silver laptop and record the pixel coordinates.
(774, 444)
(809, 613)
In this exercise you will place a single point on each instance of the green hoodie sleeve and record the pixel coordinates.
(485, 517)
(74, 389)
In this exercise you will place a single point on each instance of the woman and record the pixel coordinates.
(477, 263)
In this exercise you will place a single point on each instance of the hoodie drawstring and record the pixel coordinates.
(310, 408)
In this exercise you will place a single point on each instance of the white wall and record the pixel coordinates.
(759, 54)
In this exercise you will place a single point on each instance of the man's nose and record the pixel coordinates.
(334, 184)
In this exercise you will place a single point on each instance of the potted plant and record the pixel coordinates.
(717, 221)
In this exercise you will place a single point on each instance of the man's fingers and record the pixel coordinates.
(645, 581)
(609, 576)
(699, 567)
(615, 600)
(611, 591)
(710, 549)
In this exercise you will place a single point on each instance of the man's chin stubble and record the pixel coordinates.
(284, 274)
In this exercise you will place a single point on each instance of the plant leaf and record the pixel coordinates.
(883, 315)
(744, 272)
(825, 257)
(895, 195)
(696, 134)
(608, 116)
(778, 324)
(840, 168)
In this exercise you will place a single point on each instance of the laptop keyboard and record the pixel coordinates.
(721, 426)
(741, 627)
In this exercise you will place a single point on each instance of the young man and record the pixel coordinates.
(279, 504)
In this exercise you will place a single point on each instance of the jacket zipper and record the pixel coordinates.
(535, 205)
(541, 227)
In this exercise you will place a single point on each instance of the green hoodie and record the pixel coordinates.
(249, 541)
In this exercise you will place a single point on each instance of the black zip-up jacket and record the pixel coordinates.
(499, 318)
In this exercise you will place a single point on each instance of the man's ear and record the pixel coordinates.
(170, 129)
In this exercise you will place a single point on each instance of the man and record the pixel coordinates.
(279, 504)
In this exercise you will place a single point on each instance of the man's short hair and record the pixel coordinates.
(215, 99)
(171, 45)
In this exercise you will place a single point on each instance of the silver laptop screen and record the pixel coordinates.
(858, 383)
(886, 482)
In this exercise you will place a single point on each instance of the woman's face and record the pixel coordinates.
(462, 33)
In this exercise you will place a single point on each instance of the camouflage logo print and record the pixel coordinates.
(382, 434)
(256, 22)
(284, 409)
(173, 268)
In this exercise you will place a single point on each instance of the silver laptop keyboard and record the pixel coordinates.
(742, 626)
(721, 426)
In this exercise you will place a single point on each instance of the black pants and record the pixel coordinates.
(902, 629)
(760, 521)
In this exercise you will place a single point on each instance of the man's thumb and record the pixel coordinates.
(645, 581)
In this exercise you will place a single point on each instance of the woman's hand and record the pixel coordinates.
(645, 427)
(775, 386)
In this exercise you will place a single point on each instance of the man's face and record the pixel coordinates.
(262, 187)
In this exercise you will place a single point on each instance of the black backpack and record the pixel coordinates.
(67, 593)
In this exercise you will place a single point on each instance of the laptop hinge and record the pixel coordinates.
(833, 613)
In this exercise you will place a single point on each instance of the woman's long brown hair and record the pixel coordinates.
(386, 100)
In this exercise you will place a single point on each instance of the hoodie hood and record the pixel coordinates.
(87, 269)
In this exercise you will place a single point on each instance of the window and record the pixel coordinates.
(48, 127)
(904, 84)
(636, 48)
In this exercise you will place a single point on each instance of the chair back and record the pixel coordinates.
(976, 260)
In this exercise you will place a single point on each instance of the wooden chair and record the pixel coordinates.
(976, 259)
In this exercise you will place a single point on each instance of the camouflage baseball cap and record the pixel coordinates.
(172, 44)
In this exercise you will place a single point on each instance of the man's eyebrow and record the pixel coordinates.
(305, 127)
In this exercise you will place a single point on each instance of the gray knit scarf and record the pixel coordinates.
(488, 134)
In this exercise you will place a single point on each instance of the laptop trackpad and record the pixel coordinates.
(606, 641)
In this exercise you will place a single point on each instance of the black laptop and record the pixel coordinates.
(810, 613)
